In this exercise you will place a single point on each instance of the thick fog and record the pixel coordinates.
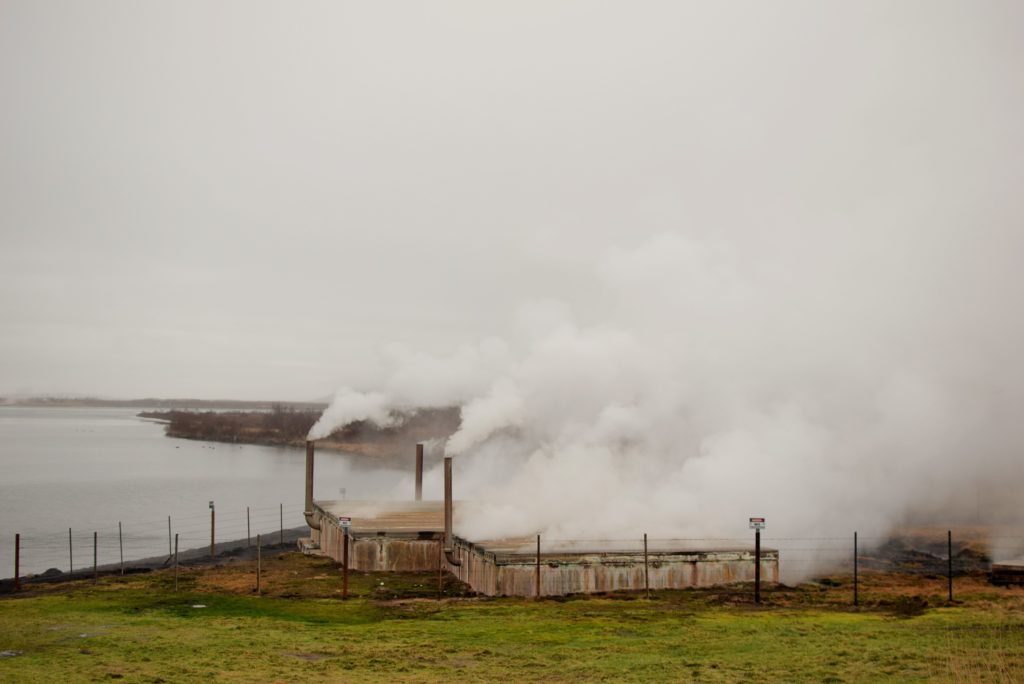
(674, 258)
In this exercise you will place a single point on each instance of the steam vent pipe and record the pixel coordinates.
(419, 472)
(448, 538)
(308, 511)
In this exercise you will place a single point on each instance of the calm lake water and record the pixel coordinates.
(88, 468)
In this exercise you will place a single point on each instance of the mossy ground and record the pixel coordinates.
(136, 629)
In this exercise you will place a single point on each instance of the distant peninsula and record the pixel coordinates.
(285, 425)
(150, 402)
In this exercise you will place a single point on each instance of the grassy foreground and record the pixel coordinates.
(136, 629)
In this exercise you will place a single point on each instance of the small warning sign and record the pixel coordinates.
(344, 521)
(757, 523)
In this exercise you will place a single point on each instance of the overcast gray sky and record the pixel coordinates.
(252, 200)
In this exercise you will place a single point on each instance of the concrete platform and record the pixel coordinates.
(409, 536)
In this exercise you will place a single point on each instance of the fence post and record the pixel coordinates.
(344, 563)
(856, 598)
(213, 518)
(17, 561)
(537, 581)
(169, 550)
(120, 544)
(95, 546)
(71, 555)
(175, 562)
(647, 579)
(949, 567)
(248, 528)
(259, 564)
(280, 539)
(757, 565)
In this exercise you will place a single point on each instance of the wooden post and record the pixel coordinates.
(280, 539)
(344, 563)
(259, 563)
(757, 565)
(17, 562)
(71, 555)
(949, 567)
(537, 580)
(856, 598)
(170, 551)
(120, 544)
(647, 579)
(248, 528)
(95, 546)
(175, 562)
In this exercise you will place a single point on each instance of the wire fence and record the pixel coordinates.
(936, 554)
(150, 542)
(929, 559)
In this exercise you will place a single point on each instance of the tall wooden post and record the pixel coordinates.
(71, 555)
(95, 554)
(280, 539)
(259, 563)
(17, 562)
(170, 551)
(120, 544)
(213, 529)
(248, 528)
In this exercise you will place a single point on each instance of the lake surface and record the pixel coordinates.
(88, 468)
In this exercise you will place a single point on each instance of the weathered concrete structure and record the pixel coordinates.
(410, 536)
(418, 536)
(393, 536)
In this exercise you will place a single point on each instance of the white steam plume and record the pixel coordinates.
(722, 382)
(348, 406)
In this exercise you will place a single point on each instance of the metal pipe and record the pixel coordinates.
(308, 511)
(448, 536)
(419, 472)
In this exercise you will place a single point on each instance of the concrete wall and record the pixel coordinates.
(381, 553)
(560, 574)
(498, 574)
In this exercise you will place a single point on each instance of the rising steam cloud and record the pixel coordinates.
(828, 385)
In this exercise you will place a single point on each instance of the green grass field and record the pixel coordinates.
(136, 629)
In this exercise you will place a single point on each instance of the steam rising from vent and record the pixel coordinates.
(349, 406)
(826, 384)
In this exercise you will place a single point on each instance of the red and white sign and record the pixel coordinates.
(344, 521)
(757, 523)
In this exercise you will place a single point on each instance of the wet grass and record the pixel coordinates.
(136, 629)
